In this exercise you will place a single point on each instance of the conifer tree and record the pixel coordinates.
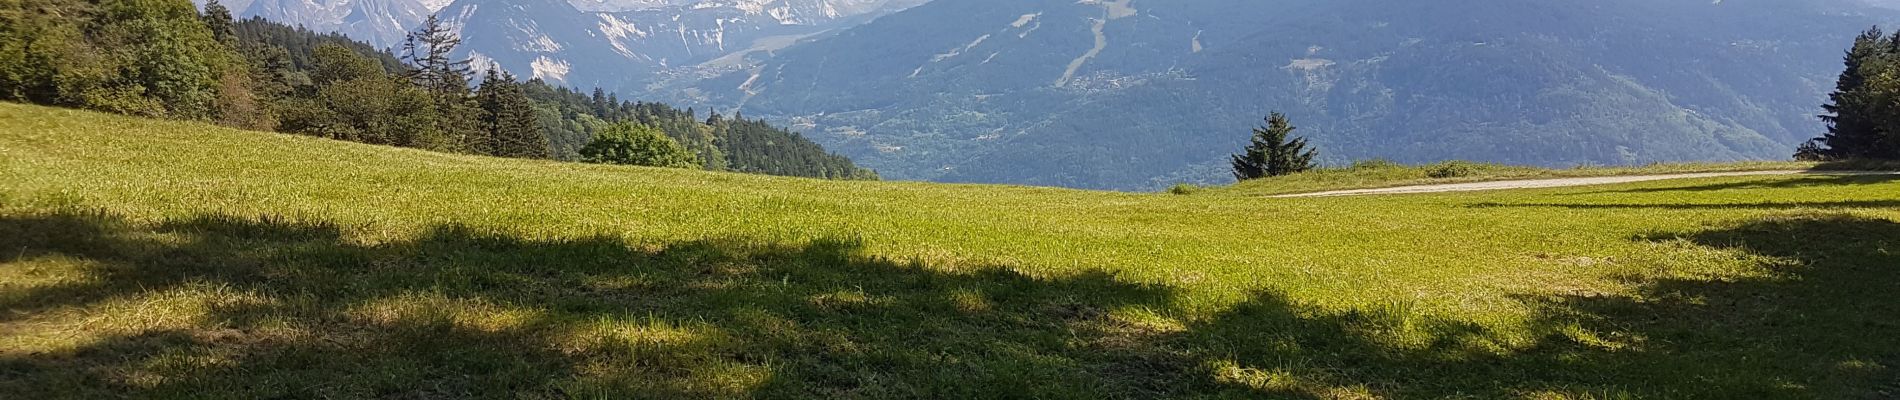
(1853, 112)
(488, 98)
(217, 18)
(428, 51)
(1274, 152)
(510, 127)
(600, 103)
(274, 70)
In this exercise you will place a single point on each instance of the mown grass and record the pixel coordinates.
(172, 260)
(1380, 174)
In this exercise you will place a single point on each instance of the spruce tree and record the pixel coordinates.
(1252, 164)
(1854, 116)
(217, 18)
(510, 127)
(276, 74)
(488, 98)
(601, 106)
(1273, 152)
(428, 50)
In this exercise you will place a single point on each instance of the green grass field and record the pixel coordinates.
(1383, 174)
(155, 259)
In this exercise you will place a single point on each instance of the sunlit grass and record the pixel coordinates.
(158, 259)
(1379, 174)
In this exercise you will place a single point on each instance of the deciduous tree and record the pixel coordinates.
(630, 144)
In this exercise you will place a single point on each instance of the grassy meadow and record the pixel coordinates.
(151, 259)
(1381, 174)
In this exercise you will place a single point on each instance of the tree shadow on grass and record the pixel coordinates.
(277, 308)
(1818, 179)
(1790, 205)
(1822, 322)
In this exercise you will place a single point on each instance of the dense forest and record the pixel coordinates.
(571, 118)
(165, 59)
(301, 43)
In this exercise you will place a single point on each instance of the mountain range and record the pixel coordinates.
(379, 22)
(1138, 94)
(630, 49)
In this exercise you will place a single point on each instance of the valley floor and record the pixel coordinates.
(173, 260)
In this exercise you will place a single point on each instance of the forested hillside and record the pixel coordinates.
(161, 58)
(724, 144)
(300, 43)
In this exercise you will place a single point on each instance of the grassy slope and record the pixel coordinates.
(1372, 176)
(166, 259)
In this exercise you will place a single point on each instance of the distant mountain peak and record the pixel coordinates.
(629, 50)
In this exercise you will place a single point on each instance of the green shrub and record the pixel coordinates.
(1184, 189)
(1451, 169)
(630, 144)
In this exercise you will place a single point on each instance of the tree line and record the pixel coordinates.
(572, 117)
(165, 59)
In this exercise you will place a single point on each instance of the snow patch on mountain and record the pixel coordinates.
(379, 22)
(459, 22)
(621, 34)
(551, 69)
(434, 5)
(623, 5)
(532, 40)
(479, 62)
(1025, 20)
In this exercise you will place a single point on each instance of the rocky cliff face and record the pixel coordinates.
(378, 22)
(646, 43)
(620, 44)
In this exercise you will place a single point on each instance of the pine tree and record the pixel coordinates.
(488, 98)
(1252, 164)
(510, 127)
(1853, 113)
(217, 18)
(1274, 152)
(428, 49)
(274, 70)
(601, 106)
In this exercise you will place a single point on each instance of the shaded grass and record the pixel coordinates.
(167, 260)
(293, 309)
